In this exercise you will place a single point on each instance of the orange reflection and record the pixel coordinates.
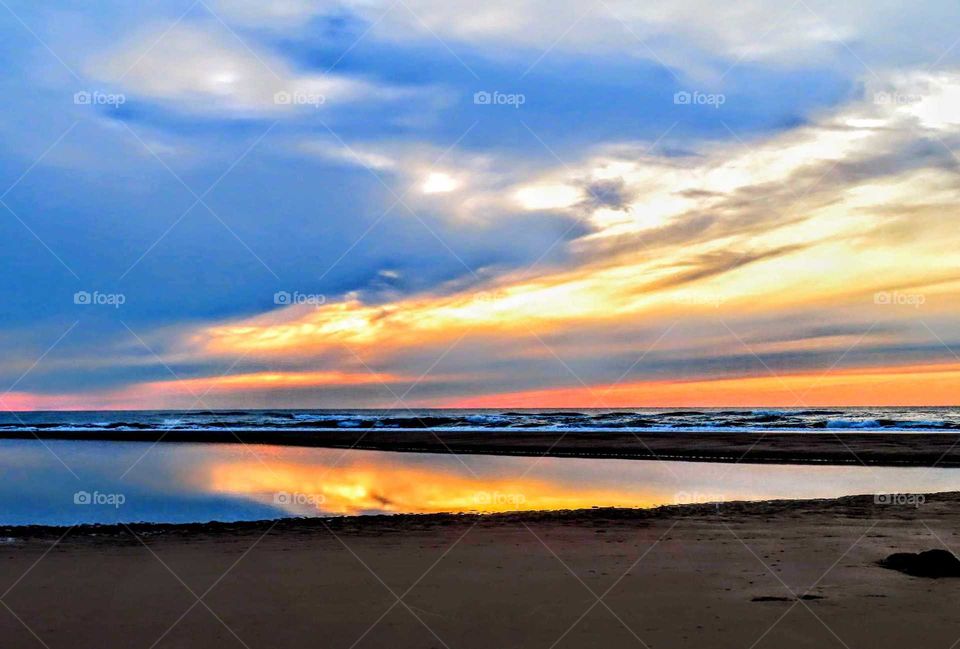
(370, 485)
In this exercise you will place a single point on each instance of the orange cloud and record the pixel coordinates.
(752, 232)
(920, 385)
(267, 380)
(190, 393)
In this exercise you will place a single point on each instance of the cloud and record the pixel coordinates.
(803, 225)
(921, 385)
(609, 192)
(727, 189)
(740, 231)
(274, 14)
(206, 69)
(464, 187)
(692, 35)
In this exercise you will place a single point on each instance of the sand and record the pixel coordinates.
(874, 449)
(776, 574)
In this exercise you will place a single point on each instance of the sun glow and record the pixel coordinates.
(548, 197)
(438, 182)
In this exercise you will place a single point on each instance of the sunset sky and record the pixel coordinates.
(525, 203)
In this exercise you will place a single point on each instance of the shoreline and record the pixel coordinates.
(763, 574)
(800, 447)
(402, 522)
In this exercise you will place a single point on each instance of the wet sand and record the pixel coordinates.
(873, 449)
(774, 574)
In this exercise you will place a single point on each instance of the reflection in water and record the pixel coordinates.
(202, 482)
(369, 485)
(328, 481)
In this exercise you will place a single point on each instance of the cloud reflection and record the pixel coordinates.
(371, 484)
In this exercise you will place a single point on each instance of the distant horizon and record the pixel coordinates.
(509, 408)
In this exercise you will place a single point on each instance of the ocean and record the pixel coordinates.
(887, 419)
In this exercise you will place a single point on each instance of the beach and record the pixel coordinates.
(764, 574)
(480, 325)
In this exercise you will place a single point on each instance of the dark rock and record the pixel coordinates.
(773, 598)
(932, 563)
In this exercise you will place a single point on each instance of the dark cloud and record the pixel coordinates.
(717, 263)
(612, 193)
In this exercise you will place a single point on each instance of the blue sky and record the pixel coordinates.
(185, 187)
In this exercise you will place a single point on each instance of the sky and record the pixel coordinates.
(525, 203)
